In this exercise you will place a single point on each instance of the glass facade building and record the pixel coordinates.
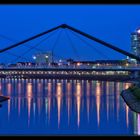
(135, 44)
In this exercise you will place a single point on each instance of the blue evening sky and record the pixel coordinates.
(111, 23)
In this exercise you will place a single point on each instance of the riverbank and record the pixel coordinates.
(3, 98)
(132, 97)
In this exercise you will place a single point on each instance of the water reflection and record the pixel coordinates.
(59, 98)
(46, 105)
(68, 100)
(78, 101)
(0, 88)
(138, 122)
(107, 100)
(88, 99)
(29, 98)
(9, 105)
(98, 96)
(127, 119)
(9, 88)
(117, 99)
(19, 92)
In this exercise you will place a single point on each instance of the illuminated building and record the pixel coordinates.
(43, 58)
(135, 44)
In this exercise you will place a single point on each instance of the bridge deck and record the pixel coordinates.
(68, 69)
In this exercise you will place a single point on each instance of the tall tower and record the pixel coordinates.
(135, 44)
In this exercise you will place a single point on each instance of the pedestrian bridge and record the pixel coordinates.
(70, 73)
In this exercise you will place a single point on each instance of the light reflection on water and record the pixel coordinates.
(50, 107)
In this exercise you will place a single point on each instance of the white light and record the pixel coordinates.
(46, 56)
(138, 31)
(34, 57)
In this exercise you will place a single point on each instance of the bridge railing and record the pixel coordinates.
(72, 67)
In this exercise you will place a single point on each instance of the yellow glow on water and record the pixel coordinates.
(78, 89)
(9, 88)
(127, 118)
(68, 88)
(98, 94)
(68, 103)
(29, 89)
(49, 89)
(29, 97)
(49, 108)
(78, 100)
(78, 110)
(29, 109)
(58, 109)
(59, 89)
(107, 88)
(98, 90)
(58, 97)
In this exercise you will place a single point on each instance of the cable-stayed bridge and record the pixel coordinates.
(125, 71)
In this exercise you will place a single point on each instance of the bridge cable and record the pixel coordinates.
(29, 39)
(72, 44)
(56, 42)
(90, 45)
(10, 53)
(27, 45)
(33, 47)
(13, 40)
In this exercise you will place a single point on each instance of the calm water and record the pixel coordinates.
(66, 107)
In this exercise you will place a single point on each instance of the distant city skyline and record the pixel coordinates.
(111, 23)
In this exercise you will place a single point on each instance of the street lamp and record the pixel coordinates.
(34, 57)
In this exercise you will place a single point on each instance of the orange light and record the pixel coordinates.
(78, 89)
(59, 89)
(78, 100)
(98, 94)
(78, 64)
(29, 89)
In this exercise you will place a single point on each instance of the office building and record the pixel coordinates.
(43, 58)
(135, 45)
